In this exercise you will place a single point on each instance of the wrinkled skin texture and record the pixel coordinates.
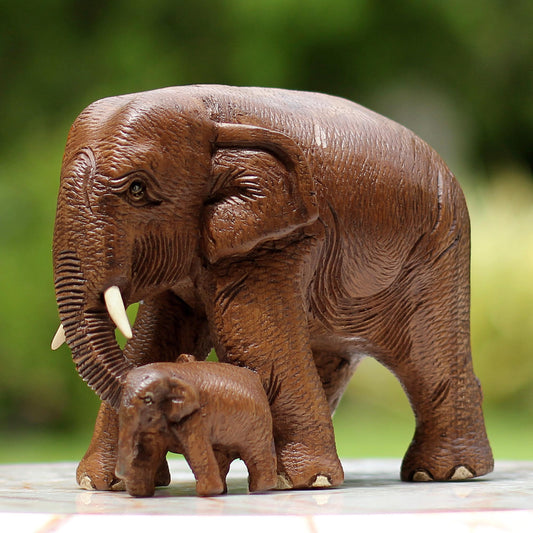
(295, 233)
(212, 413)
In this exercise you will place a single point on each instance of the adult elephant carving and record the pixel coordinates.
(293, 232)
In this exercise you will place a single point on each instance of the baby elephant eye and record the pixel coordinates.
(137, 190)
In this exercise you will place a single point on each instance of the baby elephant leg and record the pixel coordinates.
(200, 456)
(162, 476)
(261, 463)
(206, 472)
(224, 461)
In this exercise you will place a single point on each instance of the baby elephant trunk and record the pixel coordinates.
(141, 465)
(143, 436)
(134, 464)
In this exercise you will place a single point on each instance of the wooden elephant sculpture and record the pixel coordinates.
(212, 413)
(296, 233)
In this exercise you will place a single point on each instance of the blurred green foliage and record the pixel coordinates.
(59, 55)
(459, 74)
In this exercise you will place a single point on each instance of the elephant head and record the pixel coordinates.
(152, 190)
(153, 402)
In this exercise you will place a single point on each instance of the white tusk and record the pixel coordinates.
(59, 338)
(117, 311)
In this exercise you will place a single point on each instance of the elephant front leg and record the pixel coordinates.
(165, 327)
(261, 324)
(207, 467)
(96, 470)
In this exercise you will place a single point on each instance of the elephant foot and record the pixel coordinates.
(87, 483)
(454, 461)
(210, 487)
(319, 482)
(460, 473)
(300, 470)
(263, 482)
(96, 471)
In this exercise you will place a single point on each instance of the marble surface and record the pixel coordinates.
(45, 498)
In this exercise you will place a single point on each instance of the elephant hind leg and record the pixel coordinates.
(224, 461)
(432, 359)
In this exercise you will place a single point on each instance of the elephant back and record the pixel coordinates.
(222, 380)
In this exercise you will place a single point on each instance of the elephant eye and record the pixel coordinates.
(148, 399)
(137, 190)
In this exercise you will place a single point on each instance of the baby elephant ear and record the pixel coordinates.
(262, 190)
(183, 399)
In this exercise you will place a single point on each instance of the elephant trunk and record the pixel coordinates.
(94, 255)
(80, 251)
(89, 332)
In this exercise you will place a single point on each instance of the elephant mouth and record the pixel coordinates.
(88, 312)
(117, 312)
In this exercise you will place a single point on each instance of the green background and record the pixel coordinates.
(459, 74)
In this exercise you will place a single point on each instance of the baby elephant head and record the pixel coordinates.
(152, 401)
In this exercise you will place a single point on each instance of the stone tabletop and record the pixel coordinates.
(45, 498)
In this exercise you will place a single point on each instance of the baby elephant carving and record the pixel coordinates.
(212, 413)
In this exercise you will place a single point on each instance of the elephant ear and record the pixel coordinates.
(262, 190)
(183, 399)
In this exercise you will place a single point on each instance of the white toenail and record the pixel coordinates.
(461, 473)
(283, 483)
(421, 475)
(321, 482)
(86, 483)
